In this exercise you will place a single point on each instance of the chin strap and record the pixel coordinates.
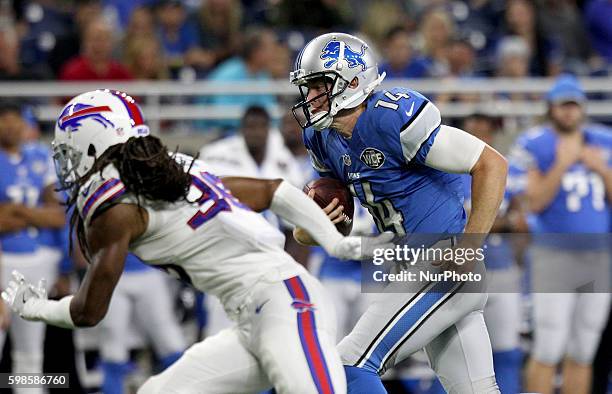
(365, 91)
(372, 85)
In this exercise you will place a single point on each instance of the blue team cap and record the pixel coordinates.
(566, 89)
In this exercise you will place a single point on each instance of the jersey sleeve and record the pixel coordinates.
(413, 115)
(101, 189)
(316, 153)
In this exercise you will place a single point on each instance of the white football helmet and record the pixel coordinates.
(338, 58)
(88, 125)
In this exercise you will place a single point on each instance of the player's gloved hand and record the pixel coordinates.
(359, 248)
(23, 297)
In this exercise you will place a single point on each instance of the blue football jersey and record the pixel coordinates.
(581, 205)
(383, 164)
(24, 177)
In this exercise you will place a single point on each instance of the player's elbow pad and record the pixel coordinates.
(454, 150)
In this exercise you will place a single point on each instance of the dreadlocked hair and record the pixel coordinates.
(147, 171)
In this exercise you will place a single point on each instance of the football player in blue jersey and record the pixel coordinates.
(27, 204)
(569, 187)
(393, 153)
(502, 312)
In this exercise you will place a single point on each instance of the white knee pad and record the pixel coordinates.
(483, 386)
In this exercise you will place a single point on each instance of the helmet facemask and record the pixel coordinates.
(334, 86)
(67, 160)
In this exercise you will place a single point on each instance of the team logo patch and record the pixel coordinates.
(71, 117)
(331, 53)
(302, 306)
(372, 158)
(346, 159)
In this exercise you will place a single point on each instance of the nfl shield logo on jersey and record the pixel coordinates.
(372, 158)
(346, 159)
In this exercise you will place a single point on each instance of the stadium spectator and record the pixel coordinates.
(562, 19)
(520, 20)
(179, 38)
(436, 30)
(141, 23)
(95, 61)
(280, 64)
(121, 11)
(43, 22)
(461, 58)
(512, 61)
(253, 64)
(144, 58)
(375, 17)
(11, 67)
(68, 45)
(513, 55)
(401, 61)
(321, 14)
(598, 14)
(219, 24)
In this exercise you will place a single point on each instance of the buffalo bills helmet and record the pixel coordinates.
(88, 125)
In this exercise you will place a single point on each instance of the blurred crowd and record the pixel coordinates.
(238, 40)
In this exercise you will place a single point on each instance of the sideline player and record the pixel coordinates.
(502, 312)
(391, 150)
(133, 195)
(28, 204)
(569, 189)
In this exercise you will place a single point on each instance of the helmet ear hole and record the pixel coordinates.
(91, 150)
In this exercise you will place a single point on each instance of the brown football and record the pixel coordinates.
(326, 189)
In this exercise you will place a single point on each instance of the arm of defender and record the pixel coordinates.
(255, 193)
(294, 206)
(109, 236)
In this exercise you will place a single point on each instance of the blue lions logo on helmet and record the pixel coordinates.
(331, 53)
(72, 115)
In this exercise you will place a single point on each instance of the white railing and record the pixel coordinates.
(50, 95)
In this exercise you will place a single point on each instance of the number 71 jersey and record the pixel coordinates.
(383, 164)
(580, 205)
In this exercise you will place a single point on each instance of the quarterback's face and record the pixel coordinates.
(317, 89)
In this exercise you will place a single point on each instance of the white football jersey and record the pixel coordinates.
(216, 243)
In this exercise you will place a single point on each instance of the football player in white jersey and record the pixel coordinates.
(133, 195)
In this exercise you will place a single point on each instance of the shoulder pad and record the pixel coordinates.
(101, 188)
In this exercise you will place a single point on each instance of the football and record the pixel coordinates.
(326, 189)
